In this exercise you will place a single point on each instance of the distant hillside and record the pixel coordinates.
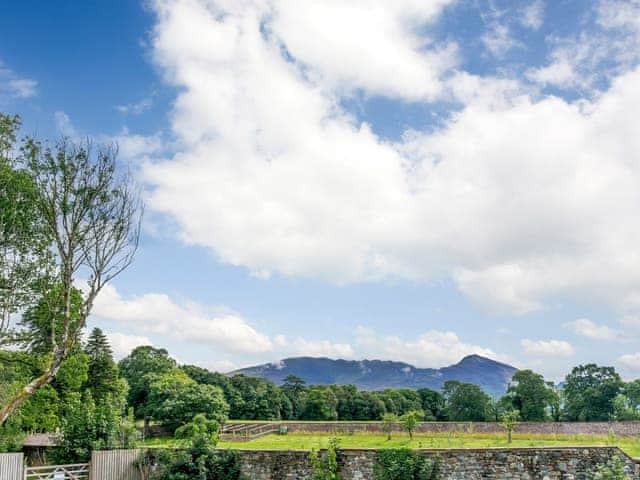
(490, 375)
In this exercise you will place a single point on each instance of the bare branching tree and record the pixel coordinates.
(91, 213)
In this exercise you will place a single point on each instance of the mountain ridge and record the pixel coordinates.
(492, 376)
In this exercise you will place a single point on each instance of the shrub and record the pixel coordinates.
(613, 470)
(326, 467)
(200, 461)
(405, 464)
(197, 463)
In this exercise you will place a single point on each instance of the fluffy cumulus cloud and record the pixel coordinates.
(522, 199)
(431, 349)
(630, 363)
(547, 348)
(122, 343)
(590, 329)
(158, 314)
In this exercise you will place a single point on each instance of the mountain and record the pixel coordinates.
(490, 375)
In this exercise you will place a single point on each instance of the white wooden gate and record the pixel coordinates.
(76, 471)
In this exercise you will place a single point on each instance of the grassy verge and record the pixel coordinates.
(308, 441)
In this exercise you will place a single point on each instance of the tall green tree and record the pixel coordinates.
(141, 368)
(175, 399)
(530, 395)
(103, 379)
(24, 238)
(589, 392)
(465, 402)
(89, 214)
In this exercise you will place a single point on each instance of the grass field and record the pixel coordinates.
(308, 441)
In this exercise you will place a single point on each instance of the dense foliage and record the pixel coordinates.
(325, 467)
(199, 460)
(404, 464)
(590, 393)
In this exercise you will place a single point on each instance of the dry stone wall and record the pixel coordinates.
(456, 464)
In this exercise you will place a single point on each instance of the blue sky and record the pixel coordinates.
(416, 180)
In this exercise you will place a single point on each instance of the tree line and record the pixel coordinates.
(161, 390)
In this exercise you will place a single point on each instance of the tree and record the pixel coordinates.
(23, 236)
(294, 388)
(433, 404)
(90, 214)
(509, 422)
(530, 395)
(410, 421)
(623, 409)
(103, 378)
(465, 402)
(589, 392)
(389, 422)
(175, 399)
(140, 368)
(86, 427)
(320, 404)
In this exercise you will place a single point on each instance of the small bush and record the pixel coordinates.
(405, 464)
(614, 470)
(198, 464)
(326, 467)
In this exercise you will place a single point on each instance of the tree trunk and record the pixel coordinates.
(32, 387)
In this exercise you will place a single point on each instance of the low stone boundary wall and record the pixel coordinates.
(566, 463)
(456, 464)
(621, 429)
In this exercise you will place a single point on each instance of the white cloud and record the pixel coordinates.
(131, 146)
(523, 200)
(222, 366)
(135, 146)
(135, 108)
(432, 349)
(561, 72)
(156, 313)
(607, 47)
(371, 45)
(630, 362)
(122, 343)
(547, 348)
(13, 86)
(587, 328)
(64, 125)
(623, 14)
(532, 16)
(498, 40)
(322, 348)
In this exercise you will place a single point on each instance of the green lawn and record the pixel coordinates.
(308, 441)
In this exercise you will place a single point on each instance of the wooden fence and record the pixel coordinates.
(11, 466)
(115, 465)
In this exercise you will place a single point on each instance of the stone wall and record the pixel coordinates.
(621, 429)
(456, 464)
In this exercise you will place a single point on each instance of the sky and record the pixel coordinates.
(415, 180)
